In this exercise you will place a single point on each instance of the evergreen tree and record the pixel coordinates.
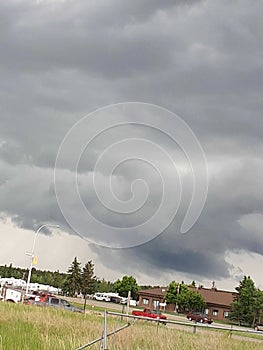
(73, 282)
(88, 280)
(246, 304)
(258, 307)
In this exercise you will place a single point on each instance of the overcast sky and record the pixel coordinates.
(201, 60)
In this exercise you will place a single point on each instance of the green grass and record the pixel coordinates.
(30, 327)
(248, 335)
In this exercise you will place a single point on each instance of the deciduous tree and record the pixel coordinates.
(183, 297)
(126, 284)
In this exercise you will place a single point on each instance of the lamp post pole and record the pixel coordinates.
(177, 292)
(32, 254)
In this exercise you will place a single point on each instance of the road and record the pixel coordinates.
(102, 304)
(179, 318)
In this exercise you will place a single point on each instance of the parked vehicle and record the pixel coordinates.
(149, 314)
(117, 300)
(258, 327)
(113, 297)
(199, 317)
(132, 302)
(101, 297)
(48, 300)
(11, 295)
(110, 296)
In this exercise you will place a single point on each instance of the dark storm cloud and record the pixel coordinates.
(92, 37)
(230, 222)
(62, 59)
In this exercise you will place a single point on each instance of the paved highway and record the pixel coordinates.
(103, 304)
(179, 318)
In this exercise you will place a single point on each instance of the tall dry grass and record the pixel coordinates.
(28, 327)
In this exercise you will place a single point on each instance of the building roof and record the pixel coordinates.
(154, 292)
(217, 297)
(211, 296)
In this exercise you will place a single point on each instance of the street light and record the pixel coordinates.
(177, 292)
(32, 255)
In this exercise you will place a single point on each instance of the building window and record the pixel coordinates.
(226, 313)
(156, 304)
(215, 312)
(206, 311)
(145, 301)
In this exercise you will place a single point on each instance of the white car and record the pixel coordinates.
(258, 327)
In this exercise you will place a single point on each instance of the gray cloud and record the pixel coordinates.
(61, 60)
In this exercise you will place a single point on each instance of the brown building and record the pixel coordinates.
(152, 298)
(218, 302)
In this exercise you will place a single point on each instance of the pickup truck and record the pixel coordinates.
(11, 295)
(148, 313)
(53, 302)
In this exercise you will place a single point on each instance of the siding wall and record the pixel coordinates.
(151, 302)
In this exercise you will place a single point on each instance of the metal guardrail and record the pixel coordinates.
(188, 324)
(101, 338)
(158, 320)
(105, 334)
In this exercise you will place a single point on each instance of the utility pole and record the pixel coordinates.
(105, 331)
(128, 302)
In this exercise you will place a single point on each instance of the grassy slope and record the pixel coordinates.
(23, 327)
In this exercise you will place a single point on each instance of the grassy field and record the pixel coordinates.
(30, 327)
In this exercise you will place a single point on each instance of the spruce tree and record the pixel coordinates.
(73, 282)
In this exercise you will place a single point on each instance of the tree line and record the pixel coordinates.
(247, 307)
(52, 278)
(77, 280)
(82, 280)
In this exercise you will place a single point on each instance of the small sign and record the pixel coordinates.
(163, 304)
(35, 260)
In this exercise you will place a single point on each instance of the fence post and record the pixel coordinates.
(158, 318)
(123, 309)
(105, 331)
(194, 328)
(230, 332)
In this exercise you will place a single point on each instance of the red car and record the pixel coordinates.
(149, 313)
(199, 317)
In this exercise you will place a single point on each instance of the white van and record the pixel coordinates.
(132, 302)
(101, 296)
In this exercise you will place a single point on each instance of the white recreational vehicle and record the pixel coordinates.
(104, 296)
(113, 297)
